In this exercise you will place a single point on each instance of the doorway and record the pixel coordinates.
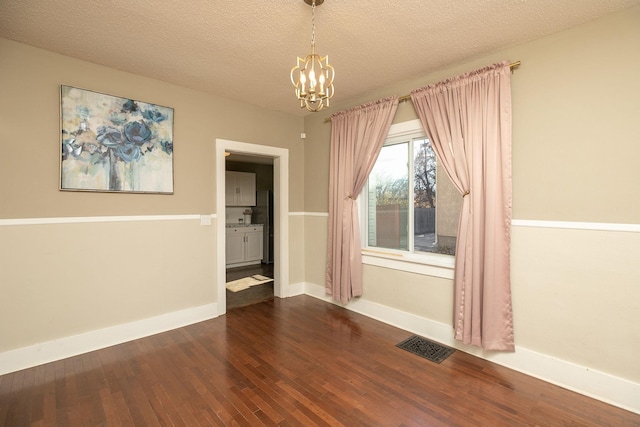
(247, 270)
(280, 158)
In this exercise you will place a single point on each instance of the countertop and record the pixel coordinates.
(238, 225)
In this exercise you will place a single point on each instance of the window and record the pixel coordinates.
(409, 204)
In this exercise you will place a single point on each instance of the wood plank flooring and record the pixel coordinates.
(287, 362)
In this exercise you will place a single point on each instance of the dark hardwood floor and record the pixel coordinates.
(288, 362)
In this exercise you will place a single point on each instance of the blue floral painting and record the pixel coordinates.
(114, 144)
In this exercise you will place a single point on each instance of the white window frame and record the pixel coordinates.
(425, 263)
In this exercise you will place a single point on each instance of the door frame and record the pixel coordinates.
(280, 214)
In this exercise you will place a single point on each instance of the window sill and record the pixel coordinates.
(428, 265)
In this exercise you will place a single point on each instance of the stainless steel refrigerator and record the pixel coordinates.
(262, 213)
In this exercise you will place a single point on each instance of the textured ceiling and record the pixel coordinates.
(244, 50)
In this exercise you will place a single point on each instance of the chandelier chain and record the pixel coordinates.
(313, 26)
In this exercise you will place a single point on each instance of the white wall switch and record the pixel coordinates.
(205, 219)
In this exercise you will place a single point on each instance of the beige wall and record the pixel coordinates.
(29, 108)
(575, 124)
(576, 145)
(58, 280)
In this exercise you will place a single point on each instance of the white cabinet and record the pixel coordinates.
(234, 247)
(253, 245)
(240, 188)
(244, 245)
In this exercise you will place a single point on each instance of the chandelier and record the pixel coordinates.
(313, 76)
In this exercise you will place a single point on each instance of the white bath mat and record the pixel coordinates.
(247, 282)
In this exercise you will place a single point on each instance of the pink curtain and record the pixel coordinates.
(357, 135)
(468, 120)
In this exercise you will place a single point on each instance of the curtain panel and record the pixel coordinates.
(357, 136)
(468, 120)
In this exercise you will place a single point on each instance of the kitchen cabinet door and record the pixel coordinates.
(234, 250)
(243, 245)
(253, 245)
(247, 184)
(240, 188)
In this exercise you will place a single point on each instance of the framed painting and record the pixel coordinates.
(114, 144)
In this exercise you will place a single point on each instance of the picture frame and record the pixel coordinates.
(114, 144)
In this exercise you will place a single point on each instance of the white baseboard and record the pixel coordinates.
(295, 289)
(27, 357)
(581, 379)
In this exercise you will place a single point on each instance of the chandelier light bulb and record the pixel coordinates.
(312, 80)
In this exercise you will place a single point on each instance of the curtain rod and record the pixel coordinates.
(405, 98)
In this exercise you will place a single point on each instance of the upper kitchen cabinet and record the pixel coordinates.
(240, 188)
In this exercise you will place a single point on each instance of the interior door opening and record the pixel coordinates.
(249, 229)
(255, 154)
